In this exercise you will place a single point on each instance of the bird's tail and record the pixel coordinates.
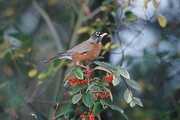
(48, 60)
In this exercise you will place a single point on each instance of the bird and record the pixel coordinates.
(86, 51)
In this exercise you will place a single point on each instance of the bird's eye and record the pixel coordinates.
(97, 34)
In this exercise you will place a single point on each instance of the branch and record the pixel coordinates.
(49, 24)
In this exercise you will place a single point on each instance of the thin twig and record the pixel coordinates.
(57, 105)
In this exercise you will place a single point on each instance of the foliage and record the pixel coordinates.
(32, 31)
(89, 90)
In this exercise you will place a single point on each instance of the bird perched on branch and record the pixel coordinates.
(85, 51)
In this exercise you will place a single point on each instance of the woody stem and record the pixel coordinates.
(57, 105)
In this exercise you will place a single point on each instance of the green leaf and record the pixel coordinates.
(99, 57)
(115, 81)
(90, 86)
(137, 101)
(37, 116)
(64, 113)
(103, 84)
(102, 68)
(123, 72)
(116, 108)
(119, 110)
(130, 16)
(97, 108)
(103, 102)
(113, 107)
(76, 98)
(128, 95)
(105, 65)
(133, 84)
(162, 21)
(78, 73)
(78, 88)
(88, 99)
(23, 38)
(56, 99)
(42, 75)
(57, 63)
(132, 103)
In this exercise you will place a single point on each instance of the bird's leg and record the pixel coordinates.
(89, 63)
(88, 69)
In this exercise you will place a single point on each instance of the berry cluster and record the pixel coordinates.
(106, 94)
(109, 78)
(74, 81)
(88, 116)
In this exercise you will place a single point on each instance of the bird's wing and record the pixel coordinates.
(81, 48)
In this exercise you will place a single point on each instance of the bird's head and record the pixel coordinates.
(97, 36)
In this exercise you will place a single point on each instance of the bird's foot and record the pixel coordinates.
(85, 67)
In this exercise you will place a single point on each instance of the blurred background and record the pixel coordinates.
(143, 37)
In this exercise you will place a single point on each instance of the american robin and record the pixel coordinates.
(85, 51)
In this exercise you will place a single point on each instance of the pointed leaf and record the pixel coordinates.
(130, 16)
(68, 110)
(128, 95)
(90, 86)
(76, 98)
(162, 21)
(97, 108)
(78, 88)
(116, 108)
(113, 107)
(119, 110)
(103, 84)
(133, 84)
(145, 3)
(102, 68)
(78, 73)
(99, 57)
(132, 103)
(115, 81)
(156, 5)
(126, 4)
(64, 113)
(105, 65)
(56, 99)
(123, 72)
(137, 101)
(88, 99)
(103, 102)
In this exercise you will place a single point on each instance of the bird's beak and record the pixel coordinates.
(104, 34)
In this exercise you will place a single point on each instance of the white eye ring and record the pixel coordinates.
(97, 34)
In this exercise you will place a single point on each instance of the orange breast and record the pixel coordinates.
(91, 55)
